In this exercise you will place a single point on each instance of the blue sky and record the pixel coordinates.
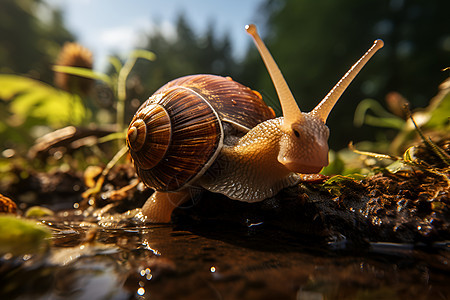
(117, 26)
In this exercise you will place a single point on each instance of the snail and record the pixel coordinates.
(210, 132)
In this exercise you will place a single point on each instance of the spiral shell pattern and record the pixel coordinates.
(172, 138)
(150, 128)
(177, 133)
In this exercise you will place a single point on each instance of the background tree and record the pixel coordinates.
(188, 53)
(29, 44)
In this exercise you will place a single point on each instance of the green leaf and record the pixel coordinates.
(20, 236)
(397, 166)
(336, 166)
(83, 72)
(440, 114)
(11, 85)
(38, 212)
(409, 156)
(34, 100)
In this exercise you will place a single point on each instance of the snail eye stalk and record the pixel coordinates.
(291, 111)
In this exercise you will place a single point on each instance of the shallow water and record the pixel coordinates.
(218, 262)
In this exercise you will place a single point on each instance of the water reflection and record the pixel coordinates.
(173, 263)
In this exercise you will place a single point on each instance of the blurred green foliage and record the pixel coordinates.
(116, 80)
(431, 125)
(433, 119)
(31, 35)
(28, 103)
(382, 117)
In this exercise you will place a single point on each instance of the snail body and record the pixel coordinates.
(210, 132)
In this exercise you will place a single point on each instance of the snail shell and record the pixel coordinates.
(176, 134)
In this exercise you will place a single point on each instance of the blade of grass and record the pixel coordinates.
(83, 72)
(429, 143)
(144, 54)
(122, 82)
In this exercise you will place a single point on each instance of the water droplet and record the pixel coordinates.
(141, 291)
